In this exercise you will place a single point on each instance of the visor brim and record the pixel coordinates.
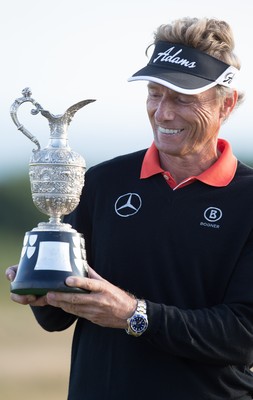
(174, 80)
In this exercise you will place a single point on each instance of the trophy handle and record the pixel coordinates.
(13, 111)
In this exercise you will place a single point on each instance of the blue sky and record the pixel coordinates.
(67, 51)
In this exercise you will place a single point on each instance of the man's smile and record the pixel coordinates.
(166, 131)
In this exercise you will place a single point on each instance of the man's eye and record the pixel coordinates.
(184, 100)
(154, 94)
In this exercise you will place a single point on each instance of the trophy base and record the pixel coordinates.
(41, 288)
(47, 259)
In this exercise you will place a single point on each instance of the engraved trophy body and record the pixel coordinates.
(53, 250)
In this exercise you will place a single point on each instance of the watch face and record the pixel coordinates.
(139, 323)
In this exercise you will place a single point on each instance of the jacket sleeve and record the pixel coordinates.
(53, 319)
(222, 334)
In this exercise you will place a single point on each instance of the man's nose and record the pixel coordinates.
(165, 111)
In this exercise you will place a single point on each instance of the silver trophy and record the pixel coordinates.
(53, 250)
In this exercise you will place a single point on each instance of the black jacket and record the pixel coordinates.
(189, 253)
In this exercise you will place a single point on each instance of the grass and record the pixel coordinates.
(34, 364)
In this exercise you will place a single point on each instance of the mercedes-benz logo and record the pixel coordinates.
(128, 204)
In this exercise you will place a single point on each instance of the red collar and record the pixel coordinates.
(219, 174)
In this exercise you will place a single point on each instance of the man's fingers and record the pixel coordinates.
(90, 284)
(29, 299)
(11, 273)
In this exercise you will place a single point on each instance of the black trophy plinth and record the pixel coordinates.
(47, 259)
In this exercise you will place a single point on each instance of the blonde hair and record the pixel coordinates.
(212, 36)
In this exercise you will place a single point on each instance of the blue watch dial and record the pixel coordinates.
(138, 323)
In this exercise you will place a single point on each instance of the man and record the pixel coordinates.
(168, 231)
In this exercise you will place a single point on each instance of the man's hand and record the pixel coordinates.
(24, 299)
(106, 305)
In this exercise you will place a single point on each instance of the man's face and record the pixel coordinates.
(184, 124)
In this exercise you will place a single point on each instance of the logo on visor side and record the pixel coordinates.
(128, 205)
(212, 215)
(229, 78)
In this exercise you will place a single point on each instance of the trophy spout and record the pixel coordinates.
(66, 118)
(59, 123)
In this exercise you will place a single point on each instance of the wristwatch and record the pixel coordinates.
(138, 323)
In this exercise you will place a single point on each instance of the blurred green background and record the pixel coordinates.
(34, 364)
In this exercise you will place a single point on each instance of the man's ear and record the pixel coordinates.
(228, 105)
